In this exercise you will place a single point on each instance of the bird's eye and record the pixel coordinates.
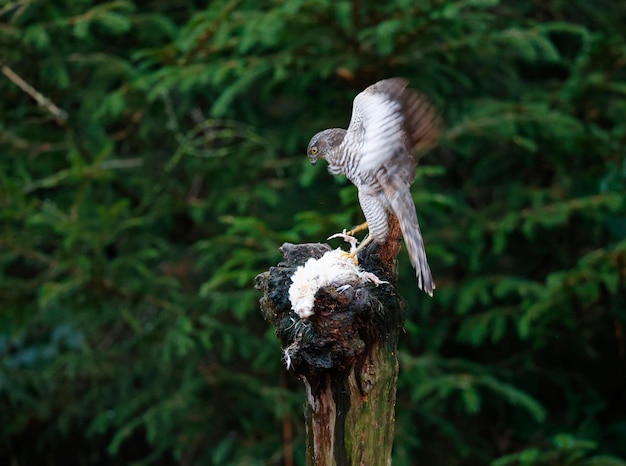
(314, 150)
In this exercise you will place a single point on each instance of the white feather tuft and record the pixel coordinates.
(334, 267)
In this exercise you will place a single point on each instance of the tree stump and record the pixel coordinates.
(345, 353)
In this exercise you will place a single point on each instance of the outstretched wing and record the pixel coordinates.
(389, 122)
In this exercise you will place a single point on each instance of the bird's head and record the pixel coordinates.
(323, 143)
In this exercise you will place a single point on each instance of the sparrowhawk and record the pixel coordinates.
(377, 154)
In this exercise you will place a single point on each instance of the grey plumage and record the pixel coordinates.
(377, 154)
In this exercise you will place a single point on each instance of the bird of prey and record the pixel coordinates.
(377, 154)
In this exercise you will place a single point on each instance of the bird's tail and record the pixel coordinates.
(404, 208)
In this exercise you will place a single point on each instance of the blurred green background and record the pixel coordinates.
(168, 165)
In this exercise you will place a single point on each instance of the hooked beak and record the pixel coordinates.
(313, 160)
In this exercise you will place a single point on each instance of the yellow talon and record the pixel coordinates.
(349, 255)
(356, 229)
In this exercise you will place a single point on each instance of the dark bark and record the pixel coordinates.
(345, 353)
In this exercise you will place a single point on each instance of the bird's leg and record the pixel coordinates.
(356, 229)
(353, 242)
(346, 237)
(355, 251)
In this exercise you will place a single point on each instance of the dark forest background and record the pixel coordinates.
(152, 160)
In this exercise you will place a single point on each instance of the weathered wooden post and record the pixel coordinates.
(345, 353)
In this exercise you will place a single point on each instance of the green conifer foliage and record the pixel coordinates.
(153, 162)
